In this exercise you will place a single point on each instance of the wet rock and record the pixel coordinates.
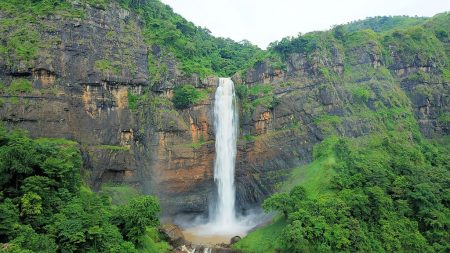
(235, 239)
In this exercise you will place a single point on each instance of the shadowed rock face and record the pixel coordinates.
(82, 82)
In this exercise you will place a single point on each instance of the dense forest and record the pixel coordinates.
(381, 193)
(385, 191)
(46, 207)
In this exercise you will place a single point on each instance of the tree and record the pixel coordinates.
(187, 95)
(9, 217)
(132, 219)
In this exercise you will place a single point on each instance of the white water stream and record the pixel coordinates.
(223, 212)
(223, 222)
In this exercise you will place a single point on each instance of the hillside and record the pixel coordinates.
(359, 110)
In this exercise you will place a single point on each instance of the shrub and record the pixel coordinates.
(132, 219)
(187, 95)
(132, 101)
(107, 66)
(20, 86)
(361, 94)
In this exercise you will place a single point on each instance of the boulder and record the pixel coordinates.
(174, 234)
(235, 239)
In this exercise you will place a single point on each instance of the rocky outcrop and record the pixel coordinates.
(80, 84)
(316, 97)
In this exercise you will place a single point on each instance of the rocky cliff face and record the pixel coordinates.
(82, 86)
(350, 91)
(87, 78)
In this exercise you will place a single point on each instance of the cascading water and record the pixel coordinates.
(226, 126)
(223, 222)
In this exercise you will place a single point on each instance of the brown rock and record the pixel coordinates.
(174, 233)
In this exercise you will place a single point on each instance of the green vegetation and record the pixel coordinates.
(133, 100)
(21, 27)
(187, 95)
(44, 206)
(107, 66)
(120, 194)
(328, 123)
(259, 94)
(418, 45)
(304, 44)
(362, 94)
(197, 50)
(417, 41)
(20, 85)
(152, 242)
(112, 147)
(263, 240)
(378, 193)
(443, 118)
(384, 23)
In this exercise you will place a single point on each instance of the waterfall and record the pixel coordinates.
(223, 221)
(226, 128)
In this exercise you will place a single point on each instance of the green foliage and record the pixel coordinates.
(31, 204)
(120, 194)
(103, 4)
(264, 239)
(387, 194)
(384, 23)
(44, 208)
(446, 74)
(107, 66)
(23, 43)
(20, 85)
(361, 94)
(197, 50)
(134, 100)
(304, 44)
(416, 45)
(9, 217)
(444, 118)
(187, 95)
(27, 239)
(112, 147)
(21, 27)
(285, 203)
(327, 123)
(152, 242)
(258, 94)
(132, 219)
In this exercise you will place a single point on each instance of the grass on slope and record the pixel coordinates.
(152, 242)
(315, 178)
(262, 240)
(120, 194)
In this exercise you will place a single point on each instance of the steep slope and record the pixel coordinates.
(367, 99)
(344, 83)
